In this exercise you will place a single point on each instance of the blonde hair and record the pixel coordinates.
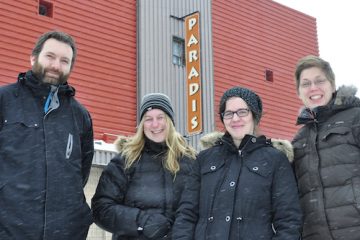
(177, 147)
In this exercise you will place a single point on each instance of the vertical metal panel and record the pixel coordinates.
(104, 152)
(105, 72)
(252, 36)
(157, 73)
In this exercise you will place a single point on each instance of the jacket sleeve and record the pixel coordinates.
(355, 130)
(1, 120)
(287, 218)
(109, 212)
(87, 148)
(1, 111)
(187, 212)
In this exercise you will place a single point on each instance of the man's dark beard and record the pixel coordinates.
(39, 72)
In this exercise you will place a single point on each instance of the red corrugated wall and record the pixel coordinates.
(105, 72)
(250, 36)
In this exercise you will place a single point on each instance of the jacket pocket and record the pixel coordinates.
(16, 131)
(337, 135)
(262, 169)
(211, 167)
(16, 125)
(299, 148)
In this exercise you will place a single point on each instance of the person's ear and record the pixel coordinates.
(32, 60)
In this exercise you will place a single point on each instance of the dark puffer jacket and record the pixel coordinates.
(45, 161)
(327, 165)
(247, 194)
(122, 194)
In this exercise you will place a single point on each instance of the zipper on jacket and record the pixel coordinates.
(239, 218)
(46, 180)
(319, 173)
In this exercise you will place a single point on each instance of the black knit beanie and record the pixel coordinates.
(252, 100)
(156, 101)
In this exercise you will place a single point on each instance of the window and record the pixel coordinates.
(178, 51)
(45, 8)
(269, 75)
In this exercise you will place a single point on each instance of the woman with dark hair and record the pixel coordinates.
(248, 189)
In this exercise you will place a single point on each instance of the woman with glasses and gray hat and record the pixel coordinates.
(248, 190)
(146, 192)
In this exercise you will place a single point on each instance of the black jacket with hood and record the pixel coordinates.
(147, 186)
(327, 165)
(247, 193)
(45, 162)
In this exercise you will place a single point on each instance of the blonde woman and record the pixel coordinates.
(148, 191)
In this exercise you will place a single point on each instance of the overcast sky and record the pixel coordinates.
(338, 27)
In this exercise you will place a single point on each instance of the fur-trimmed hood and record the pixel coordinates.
(213, 138)
(346, 95)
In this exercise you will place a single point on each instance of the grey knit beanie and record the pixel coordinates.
(156, 101)
(251, 98)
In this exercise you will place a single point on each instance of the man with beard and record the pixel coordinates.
(46, 148)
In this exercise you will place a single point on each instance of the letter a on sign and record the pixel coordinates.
(193, 74)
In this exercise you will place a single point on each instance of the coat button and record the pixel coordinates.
(212, 168)
(255, 168)
(227, 218)
(210, 219)
(253, 140)
(239, 218)
(232, 184)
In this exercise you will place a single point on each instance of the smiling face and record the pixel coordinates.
(237, 126)
(53, 64)
(314, 88)
(155, 125)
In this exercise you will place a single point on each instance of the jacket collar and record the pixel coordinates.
(216, 138)
(248, 144)
(41, 89)
(154, 147)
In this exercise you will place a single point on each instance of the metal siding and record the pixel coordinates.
(156, 72)
(105, 72)
(250, 36)
(103, 153)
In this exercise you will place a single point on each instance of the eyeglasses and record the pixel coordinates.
(317, 83)
(241, 112)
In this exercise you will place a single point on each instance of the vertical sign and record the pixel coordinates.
(193, 74)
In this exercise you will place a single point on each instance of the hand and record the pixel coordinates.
(154, 225)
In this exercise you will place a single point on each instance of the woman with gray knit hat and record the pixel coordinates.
(248, 190)
(147, 191)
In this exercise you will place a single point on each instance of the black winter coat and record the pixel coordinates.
(327, 165)
(45, 162)
(121, 194)
(247, 193)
